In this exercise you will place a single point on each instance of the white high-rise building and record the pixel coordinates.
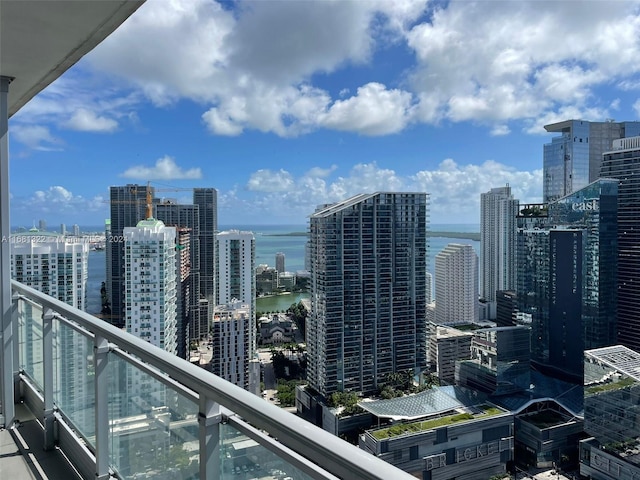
(51, 263)
(236, 252)
(57, 266)
(456, 285)
(429, 288)
(150, 292)
(232, 352)
(498, 210)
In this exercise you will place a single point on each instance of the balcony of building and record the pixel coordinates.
(90, 400)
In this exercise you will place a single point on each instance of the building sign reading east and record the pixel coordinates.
(586, 206)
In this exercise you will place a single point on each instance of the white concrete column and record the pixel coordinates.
(7, 328)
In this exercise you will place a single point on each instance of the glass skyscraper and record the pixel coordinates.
(567, 273)
(623, 163)
(572, 160)
(368, 259)
(128, 207)
(207, 201)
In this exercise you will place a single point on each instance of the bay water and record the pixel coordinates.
(271, 239)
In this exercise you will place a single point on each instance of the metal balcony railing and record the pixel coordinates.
(119, 407)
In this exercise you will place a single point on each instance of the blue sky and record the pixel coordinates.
(285, 105)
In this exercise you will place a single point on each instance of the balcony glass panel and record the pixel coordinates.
(243, 458)
(30, 338)
(74, 389)
(153, 429)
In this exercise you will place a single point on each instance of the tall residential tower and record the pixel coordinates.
(623, 163)
(237, 286)
(498, 210)
(150, 269)
(368, 265)
(456, 285)
(207, 201)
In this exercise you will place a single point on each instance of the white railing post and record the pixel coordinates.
(48, 419)
(16, 346)
(101, 408)
(209, 419)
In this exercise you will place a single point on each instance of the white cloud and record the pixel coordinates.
(374, 110)
(164, 169)
(317, 172)
(454, 189)
(254, 65)
(87, 121)
(489, 61)
(55, 200)
(500, 130)
(222, 123)
(75, 102)
(269, 181)
(36, 137)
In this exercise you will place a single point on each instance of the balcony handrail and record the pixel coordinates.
(319, 446)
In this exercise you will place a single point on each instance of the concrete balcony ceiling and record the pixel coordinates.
(41, 39)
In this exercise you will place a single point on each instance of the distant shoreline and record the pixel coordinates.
(289, 234)
(460, 235)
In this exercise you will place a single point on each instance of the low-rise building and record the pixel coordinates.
(611, 414)
(276, 329)
(442, 433)
(266, 280)
(500, 361)
(446, 345)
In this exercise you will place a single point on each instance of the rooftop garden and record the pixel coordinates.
(426, 425)
(625, 382)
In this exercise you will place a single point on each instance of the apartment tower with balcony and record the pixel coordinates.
(368, 260)
(498, 210)
(57, 266)
(456, 285)
(237, 283)
(150, 283)
(182, 216)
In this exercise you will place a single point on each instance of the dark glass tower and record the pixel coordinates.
(128, 207)
(623, 163)
(207, 200)
(368, 270)
(567, 274)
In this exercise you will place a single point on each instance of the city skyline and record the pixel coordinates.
(394, 96)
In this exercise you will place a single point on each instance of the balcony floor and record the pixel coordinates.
(22, 456)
